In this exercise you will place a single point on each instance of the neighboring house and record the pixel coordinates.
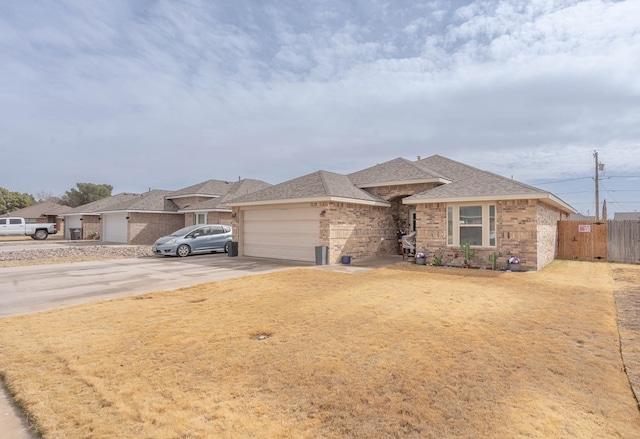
(625, 216)
(444, 201)
(212, 208)
(143, 218)
(45, 212)
(126, 218)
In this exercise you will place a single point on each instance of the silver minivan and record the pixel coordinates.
(202, 238)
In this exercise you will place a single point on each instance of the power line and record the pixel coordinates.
(614, 200)
(576, 192)
(623, 176)
(564, 181)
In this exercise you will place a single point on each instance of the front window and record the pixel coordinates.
(475, 224)
(201, 218)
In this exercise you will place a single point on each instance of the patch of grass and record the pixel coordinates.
(403, 351)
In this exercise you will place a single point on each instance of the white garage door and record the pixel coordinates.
(114, 227)
(291, 233)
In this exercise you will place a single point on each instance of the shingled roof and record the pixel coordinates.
(38, 210)
(211, 188)
(472, 184)
(317, 186)
(152, 201)
(237, 189)
(395, 172)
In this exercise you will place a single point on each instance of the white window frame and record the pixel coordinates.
(197, 217)
(412, 220)
(453, 224)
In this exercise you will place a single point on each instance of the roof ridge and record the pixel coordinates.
(323, 180)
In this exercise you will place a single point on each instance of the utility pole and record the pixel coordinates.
(595, 154)
(599, 167)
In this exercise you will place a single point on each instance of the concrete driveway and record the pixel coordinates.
(36, 288)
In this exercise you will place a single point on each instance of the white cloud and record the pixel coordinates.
(278, 90)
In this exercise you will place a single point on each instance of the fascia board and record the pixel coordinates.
(309, 200)
(132, 211)
(548, 198)
(211, 209)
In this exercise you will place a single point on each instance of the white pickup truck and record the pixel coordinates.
(18, 227)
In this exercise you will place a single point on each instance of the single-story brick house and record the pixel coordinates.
(213, 209)
(445, 202)
(126, 218)
(45, 212)
(143, 218)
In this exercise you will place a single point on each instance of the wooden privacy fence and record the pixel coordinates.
(624, 241)
(614, 241)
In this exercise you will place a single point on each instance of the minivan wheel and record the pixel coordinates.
(227, 246)
(183, 250)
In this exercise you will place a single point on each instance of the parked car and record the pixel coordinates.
(203, 238)
(18, 227)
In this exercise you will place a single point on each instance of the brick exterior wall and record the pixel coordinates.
(145, 228)
(524, 228)
(395, 194)
(517, 231)
(91, 227)
(357, 230)
(548, 218)
(363, 231)
(212, 218)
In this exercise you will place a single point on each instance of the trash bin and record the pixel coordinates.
(233, 249)
(321, 254)
(346, 260)
(75, 233)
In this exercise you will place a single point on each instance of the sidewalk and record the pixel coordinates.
(13, 424)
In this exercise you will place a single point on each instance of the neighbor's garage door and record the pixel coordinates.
(291, 233)
(114, 227)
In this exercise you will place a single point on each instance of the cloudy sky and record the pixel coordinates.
(163, 94)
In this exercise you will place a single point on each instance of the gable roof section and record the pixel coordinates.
(626, 215)
(317, 186)
(209, 188)
(152, 201)
(396, 172)
(98, 206)
(237, 189)
(39, 210)
(472, 184)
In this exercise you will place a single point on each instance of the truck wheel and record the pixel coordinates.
(40, 234)
(183, 250)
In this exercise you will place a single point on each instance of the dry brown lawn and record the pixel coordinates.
(404, 351)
